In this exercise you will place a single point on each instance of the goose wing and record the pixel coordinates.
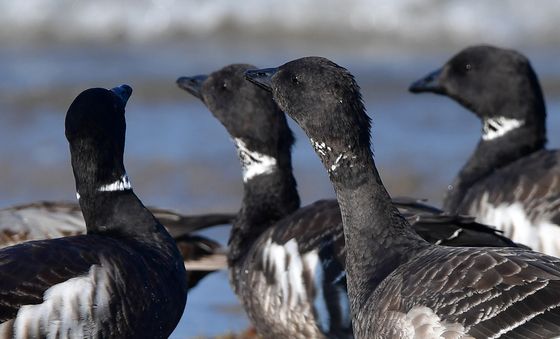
(483, 293)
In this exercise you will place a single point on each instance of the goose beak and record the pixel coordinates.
(123, 91)
(429, 83)
(261, 77)
(193, 84)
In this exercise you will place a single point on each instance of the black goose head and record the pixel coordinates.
(249, 114)
(324, 99)
(491, 82)
(95, 129)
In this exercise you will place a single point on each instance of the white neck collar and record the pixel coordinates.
(120, 185)
(496, 127)
(253, 163)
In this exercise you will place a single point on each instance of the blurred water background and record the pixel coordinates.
(179, 157)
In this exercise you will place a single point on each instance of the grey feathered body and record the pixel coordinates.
(462, 293)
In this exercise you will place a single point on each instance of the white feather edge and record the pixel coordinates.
(423, 323)
(511, 218)
(73, 300)
(291, 283)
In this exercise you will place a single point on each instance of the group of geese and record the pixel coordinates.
(363, 265)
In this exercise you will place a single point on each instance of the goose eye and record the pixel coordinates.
(295, 79)
(468, 67)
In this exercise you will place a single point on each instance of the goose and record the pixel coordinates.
(399, 285)
(511, 181)
(125, 277)
(287, 261)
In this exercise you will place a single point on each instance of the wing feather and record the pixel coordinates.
(491, 292)
(27, 270)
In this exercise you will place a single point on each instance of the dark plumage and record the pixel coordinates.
(510, 181)
(401, 286)
(54, 219)
(287, 262)
(125, 278)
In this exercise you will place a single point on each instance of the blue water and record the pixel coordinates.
(178, 156)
